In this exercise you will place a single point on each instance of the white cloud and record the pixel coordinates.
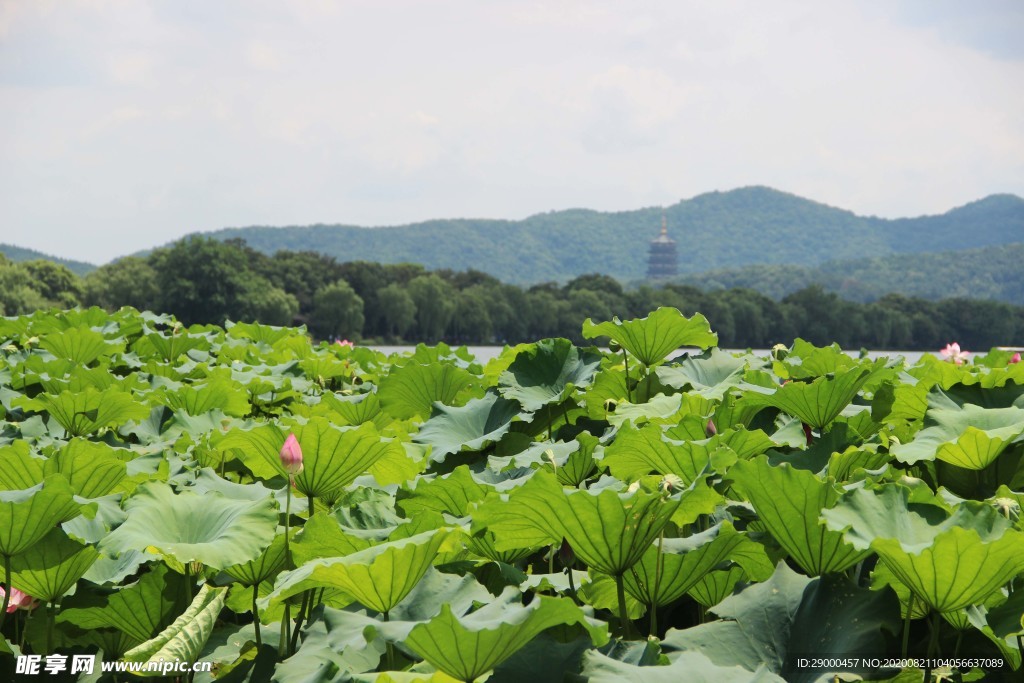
(126, 124)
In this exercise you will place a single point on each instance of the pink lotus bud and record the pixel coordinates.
(19, 600)
(709, 429)
(1015, 358)
(344, 342)
(291, 456)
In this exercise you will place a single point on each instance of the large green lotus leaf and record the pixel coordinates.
(19, 468)
(660, 578)
(580, 463)
(378, 577)
(653, 338)
(805, 360)
(29, 514)
(86, 412)
(322, 536)
(217, 394)
(773, 623)
(91, 467)
(789, 502)
(137, 610)
(473, 426)
(816, 403)
(169, 348)
(636, 452)
(184, 639)
(265, 567)
(948, 561)
(410, 391)
(53, 565)
(212, 529)
(548, 372)
(712, 374)
(354, 629)
(332, 457)
(79, 345)
(692, 667)
(717, 585)
(354, 410)
(602, 592)
(609, 530)
(470, 646)
(967, 436)
(452, 494)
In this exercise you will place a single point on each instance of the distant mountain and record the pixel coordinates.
(994, 272)
(716, 230)
(21, 254)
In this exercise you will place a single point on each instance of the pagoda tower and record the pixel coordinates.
(662, 260)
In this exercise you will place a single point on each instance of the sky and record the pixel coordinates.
(125, 124)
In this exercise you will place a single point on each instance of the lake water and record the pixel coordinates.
(486, 353)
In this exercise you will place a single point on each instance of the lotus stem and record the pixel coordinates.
(7, 589)
(286, 622)
(625, 361)
(620, 589)
(50, 611)
(188, 582)
(658, 566)
(310, 499)
(933, 646)
(256, 615)
(299, 619)
(389, 657)
(906, 624)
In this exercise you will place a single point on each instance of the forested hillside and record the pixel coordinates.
(201, 280)
(18, 254)
(754, 225)
(985, 273)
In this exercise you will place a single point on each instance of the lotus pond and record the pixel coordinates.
(558, 513)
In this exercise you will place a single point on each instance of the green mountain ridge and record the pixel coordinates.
(18, 254)
(746, 226)
(992, 272)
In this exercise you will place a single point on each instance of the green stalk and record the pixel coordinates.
(7, 589)
(50, 611)
(620, 589)
(256, 615)
(658, 566)
(933, 646)
(310, 498)
(286, 622)
(625, 360)
(389, 660)
(188, 583)
(906, 624)
(299, 619)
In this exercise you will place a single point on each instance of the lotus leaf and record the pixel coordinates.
(468, 647)
(949, 561)
(184, 639)
(789, 502)
(212, 529)
(653, 338)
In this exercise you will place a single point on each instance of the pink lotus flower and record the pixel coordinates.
(19, 600)
(291, 456)
(345, 342)
(1015, 358)
(953, 354)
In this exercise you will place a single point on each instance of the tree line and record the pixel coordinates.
(202, 280)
